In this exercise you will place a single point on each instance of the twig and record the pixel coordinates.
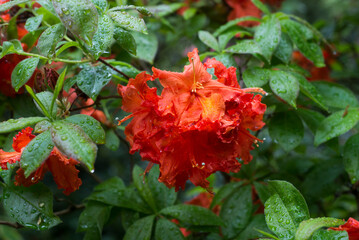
(113, 68)
(10, 224)
(83, 107)
(69, 209)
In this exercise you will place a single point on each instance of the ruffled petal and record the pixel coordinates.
(22, 139)
(64, 172)
(8, 157)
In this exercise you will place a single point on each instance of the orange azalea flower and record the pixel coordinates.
(244, 8)
(316, 73)
(63, 169)
(352, 227)
(197, 126)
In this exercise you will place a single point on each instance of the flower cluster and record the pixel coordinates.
(62, 168)
(197, 126)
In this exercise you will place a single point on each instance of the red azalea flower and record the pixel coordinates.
(187, 4)
(244, 8)
(197, 126)
(352, 227)
(316, 73)
(62, 168)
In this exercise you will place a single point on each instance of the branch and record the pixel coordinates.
(10, 224)
(71, 208)
(113, 68)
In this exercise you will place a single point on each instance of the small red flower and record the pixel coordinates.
(197, 126)
(244, 8)
(62, 168)
(352, 227)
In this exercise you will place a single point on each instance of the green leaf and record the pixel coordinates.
(284, 49)
(287, 129)
(167, 230)
(58, 87)
(351, 156)
(236, 216)
(102, 4)
(42, 126)
(245, 47)
(49, 39)
(126, 68)
(189, 13)
(256, 77)
(126, 40)
(112, 142)
(225, 191)
(291, 200)
(66, 46)
(299, 35)
(278, 218)
(226, 36)
(91, 80)
(10, 4)
(312, 118)
(23, 71)
(33, 23)
(156, 194)
(17, 124)
(268, 35)
(36, 152)
(234, 22)
(113, 192)
(141, 229)
(262, 191)
(308, 227)
(91, 127)
(30, 206)
(285, 86)
(129, 22)
(208, 39)
(257, 222)
(336, 124)
(38, 104)
(165, 9)
(193, 215)
(46, 99)
(80, 17)
(323, 180)
(128, 217)
(93, 218)
(336, 95)
(147, 46)
(330, 235)
(103, 37)
(9, 47)
(74, 142)
(261, 6)
(309, 90)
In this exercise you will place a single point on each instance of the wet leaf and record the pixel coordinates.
(71, 140)
(23, 71)
(17, 124)
(36, 152)
(91, 127)
(30, 206)
(336, 124)
(286, 129)
(80, 17)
